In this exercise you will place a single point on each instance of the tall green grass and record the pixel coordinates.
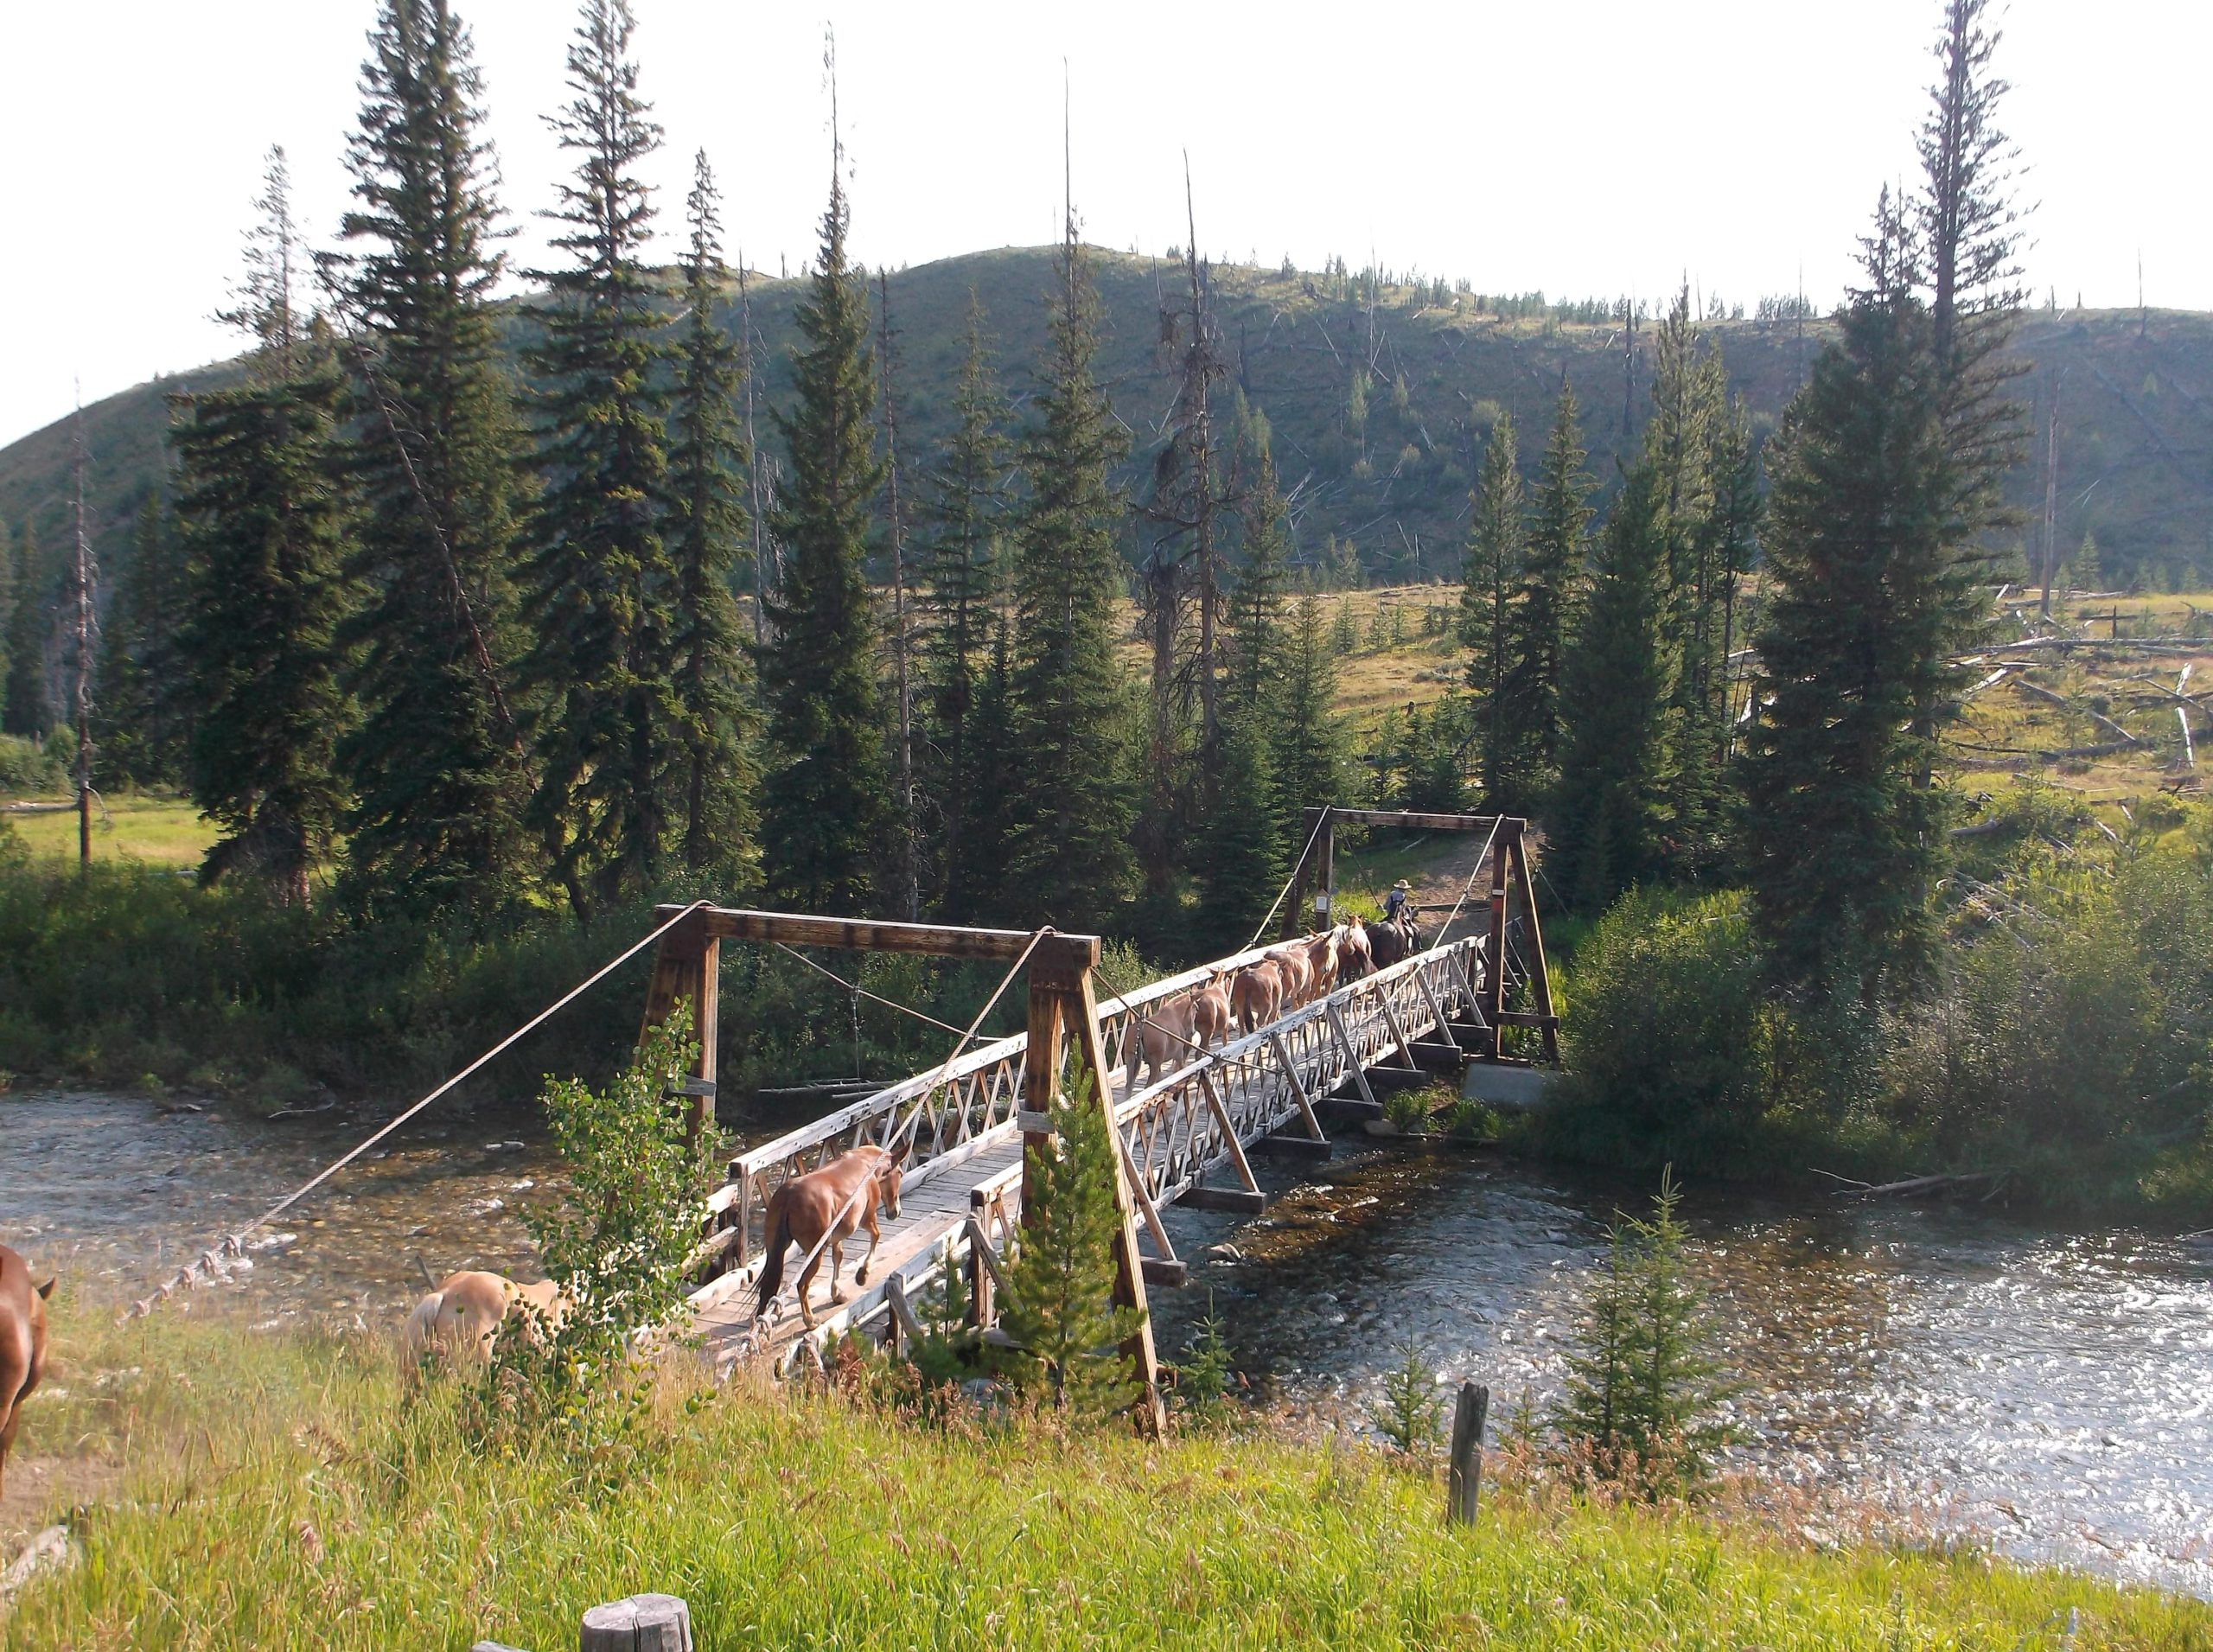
(296, 1500)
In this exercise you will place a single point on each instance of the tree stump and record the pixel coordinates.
(641, 1623)
(1465, 1475)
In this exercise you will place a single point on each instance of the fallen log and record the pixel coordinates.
(1914, 1185)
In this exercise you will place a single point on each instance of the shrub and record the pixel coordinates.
(1643, 1382)
(28, 770)
(1409, 1413)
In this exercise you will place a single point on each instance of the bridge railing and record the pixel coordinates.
(947, 1114)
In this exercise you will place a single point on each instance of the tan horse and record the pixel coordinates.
(1210, 1010)
(1324, 960)
(820, 1211)
(23, 1343)
(1354, 959)
(1256, 994)
(461, 1320)
(1297, 970)
(1164, 1037)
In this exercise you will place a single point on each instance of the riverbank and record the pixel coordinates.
(275, 1491)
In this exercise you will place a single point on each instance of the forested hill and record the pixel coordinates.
(1378, 399)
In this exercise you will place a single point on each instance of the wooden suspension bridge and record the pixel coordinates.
(976, 1124)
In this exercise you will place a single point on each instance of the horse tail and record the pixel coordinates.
(772, 1260)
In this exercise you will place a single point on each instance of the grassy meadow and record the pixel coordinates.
(161, 831)
(280, 1493)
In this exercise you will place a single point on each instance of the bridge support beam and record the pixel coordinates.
(687, 969)
(1063, 1004)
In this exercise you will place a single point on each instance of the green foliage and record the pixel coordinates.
(1407, 1110)
(1409, 1413)
(1259, 598)
(1072, 803)
(435, 764)
(25, 710)
(1844, 837)
(615, 1241)
(1468, 1119)
(1203, 1381)
(963, 516)
(1493, 572)
(1617, 694)
(825, 798)
(948, 1350)
(263, 517)
(1540, 614)
(306, 1461)
(141, 722)
(1309, 739)
(707, 524)
(608, 736)
(1242, 860)
(28, 770)
(1060, 1285)
(1644, 1384)
(1662, 1049)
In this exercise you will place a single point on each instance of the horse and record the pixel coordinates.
(1296, 969)
(820, 1211)
(1387, 943)
(1162, 1034)
(23, 1343)
(1210, 1010)
(1256, 994)
(1353, 957)
(1326, 960)
(460, 1319)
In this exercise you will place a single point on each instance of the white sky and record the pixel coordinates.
(1598, 148)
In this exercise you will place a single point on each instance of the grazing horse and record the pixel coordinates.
(1387, 943)
(820, 1211)
(23, 1343)
(1257, 994)
(460, 1319)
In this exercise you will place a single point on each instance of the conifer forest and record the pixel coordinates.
(1021, 589)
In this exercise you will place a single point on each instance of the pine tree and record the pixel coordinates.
(1061, 1285)
(7, 601)
(2084, 565)
(964, 513)
(1073, 802)
(1645, 1383)
(28, 711)
(608, 734)
(826, 800)
(1967, 233)
(1309, 754)
(1258, 601)
(1493, 573)
(1540, 614)
(435, 765)
(707, 535)
(1842, 846)
(980, 895)
(265, 519)
(1618, 706)
(144, 706)
(1240, 864)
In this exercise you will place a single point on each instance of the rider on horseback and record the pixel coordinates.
(1394, 903)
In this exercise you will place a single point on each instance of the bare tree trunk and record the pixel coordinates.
(2051, 493)
(83, 572)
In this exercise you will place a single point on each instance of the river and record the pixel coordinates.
(2049, 1391)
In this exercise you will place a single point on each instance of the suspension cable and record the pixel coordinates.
(856, 987)
(1468, 888)
(234, 1244)
(1297, 866)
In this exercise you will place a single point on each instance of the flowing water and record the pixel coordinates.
(2049, 1390)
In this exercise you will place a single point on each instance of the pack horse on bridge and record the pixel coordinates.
(968, 1135)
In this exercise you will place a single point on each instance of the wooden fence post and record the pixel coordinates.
(1463, 1478)
(640, 1624)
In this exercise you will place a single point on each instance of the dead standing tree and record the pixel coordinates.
(909, 869)
(1183, 584)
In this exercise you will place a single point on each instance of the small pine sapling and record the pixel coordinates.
(1202, 1382)
(1061, 1287)
(1409, 1413)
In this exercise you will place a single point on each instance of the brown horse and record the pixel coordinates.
(1165, 1035)
(1210, 1010)
(820, 1211)
(1387, 943)
(1295, 964)
(23, 1343)
(1256, 994)
(1354, 959)
(460, 1319)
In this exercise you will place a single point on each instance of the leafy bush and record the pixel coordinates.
(1665, 1049)
(29, 770)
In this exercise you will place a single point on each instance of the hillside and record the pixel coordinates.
(2135, 451)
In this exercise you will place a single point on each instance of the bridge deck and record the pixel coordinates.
(1181, 1130)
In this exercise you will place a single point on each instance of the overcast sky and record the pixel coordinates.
(1596, 148)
